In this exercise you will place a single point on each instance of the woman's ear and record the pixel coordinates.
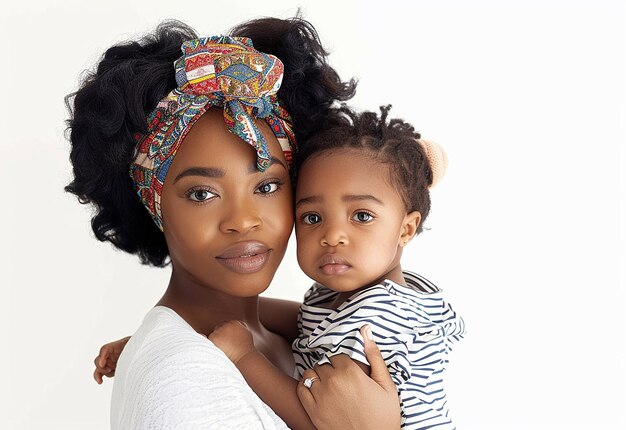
(410, 224)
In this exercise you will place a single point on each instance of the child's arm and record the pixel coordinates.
(276, 389)
(279, 316)
(332, 404)
(106, 361)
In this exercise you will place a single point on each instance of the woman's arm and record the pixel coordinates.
(279, 316)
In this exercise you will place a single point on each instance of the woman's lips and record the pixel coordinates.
(245, 257)
(333, 264)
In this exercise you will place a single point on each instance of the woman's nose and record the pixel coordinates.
(241, 218)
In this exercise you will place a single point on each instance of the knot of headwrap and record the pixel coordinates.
(219, 71)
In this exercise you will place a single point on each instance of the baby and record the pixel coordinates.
(362, 195)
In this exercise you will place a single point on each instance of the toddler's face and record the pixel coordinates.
(349, 220)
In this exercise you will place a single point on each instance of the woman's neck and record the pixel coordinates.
(204, 308)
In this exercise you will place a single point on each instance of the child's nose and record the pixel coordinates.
(334, 236)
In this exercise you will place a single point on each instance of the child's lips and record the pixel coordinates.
(333, 264)
(335, 269)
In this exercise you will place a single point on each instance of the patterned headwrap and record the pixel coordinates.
(219, 71)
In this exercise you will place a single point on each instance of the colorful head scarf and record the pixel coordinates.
(219, 71)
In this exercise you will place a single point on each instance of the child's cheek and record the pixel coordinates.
(305, 250)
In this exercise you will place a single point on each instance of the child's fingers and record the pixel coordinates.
(106, 360)
(97, 376)
(103, 367)
(100, 363)
(101, 359)
(104, 363)
(109, 374)
(99, 373)
(242, 324)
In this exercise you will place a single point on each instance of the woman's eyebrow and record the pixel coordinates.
(214, 172)
(273, 160)
(209, 172)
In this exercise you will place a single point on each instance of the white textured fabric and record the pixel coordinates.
(170, 377)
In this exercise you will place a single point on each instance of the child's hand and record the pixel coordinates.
(234, 339)
(106, 361)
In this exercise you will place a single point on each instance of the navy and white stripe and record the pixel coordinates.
(413, 327)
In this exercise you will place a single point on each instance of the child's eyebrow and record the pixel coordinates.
(308, 200)
(344, 198)
(360, 197)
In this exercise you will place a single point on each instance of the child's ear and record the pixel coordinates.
(409, 227)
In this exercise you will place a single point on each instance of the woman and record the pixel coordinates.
(218, 208)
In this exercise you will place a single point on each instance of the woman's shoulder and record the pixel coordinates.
(171, 375)
(164, 336)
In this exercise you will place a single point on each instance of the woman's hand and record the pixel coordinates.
(345, 397)
(106, 361)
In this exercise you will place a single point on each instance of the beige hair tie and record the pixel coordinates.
(437, 158)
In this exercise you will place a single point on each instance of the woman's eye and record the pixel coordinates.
(201, 195)
(362, 217)
(268, 188)
(311, 218)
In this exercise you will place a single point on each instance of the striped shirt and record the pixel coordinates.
(413, 327)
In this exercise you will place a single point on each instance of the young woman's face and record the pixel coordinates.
(349, 220)
(226, 223)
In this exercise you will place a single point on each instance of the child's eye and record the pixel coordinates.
(200, 195)
(269, 187)
(362, 216)
(311, 218)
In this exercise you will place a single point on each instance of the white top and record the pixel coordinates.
(413, 327)
(171, 377)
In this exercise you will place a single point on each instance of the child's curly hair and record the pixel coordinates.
(393, 143)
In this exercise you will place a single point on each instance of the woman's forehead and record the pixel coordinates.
(210, 143)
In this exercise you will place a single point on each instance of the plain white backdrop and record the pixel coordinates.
(527, 230)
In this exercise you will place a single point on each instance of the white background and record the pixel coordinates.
(525, 234)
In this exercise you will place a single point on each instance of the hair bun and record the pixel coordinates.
(437, 158)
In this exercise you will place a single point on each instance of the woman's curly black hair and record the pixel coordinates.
(391, 142)
(114, 100)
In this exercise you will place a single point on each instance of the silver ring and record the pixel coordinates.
(308, 382)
